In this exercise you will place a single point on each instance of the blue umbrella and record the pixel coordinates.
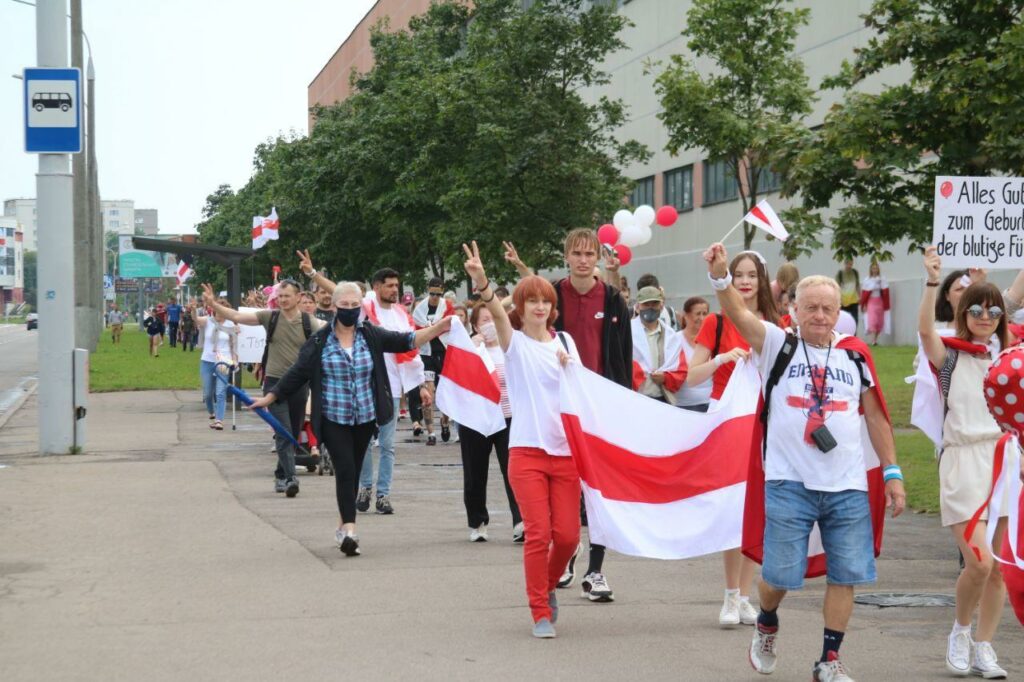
(262, 412)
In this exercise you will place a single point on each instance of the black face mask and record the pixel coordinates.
(649, 315)
(347, 317)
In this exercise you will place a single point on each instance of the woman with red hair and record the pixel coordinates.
(540, 468)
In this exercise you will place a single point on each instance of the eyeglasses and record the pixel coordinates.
(976, 311)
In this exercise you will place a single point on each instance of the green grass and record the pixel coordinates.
(128, 366)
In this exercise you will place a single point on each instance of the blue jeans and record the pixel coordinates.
(844, 519)
(386, 466)
(214, 390)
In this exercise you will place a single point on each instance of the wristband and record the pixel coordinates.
(480, 290)
(892, 473)
(932, 284)
(720, 284)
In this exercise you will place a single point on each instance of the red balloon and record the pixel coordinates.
(1004, 390)
(608, 234)
(624, 253)
(666, 216)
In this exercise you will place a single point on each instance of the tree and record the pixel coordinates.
(960, 113)
(30, 287)
(755, 98)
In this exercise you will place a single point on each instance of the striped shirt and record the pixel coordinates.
(348, 382)
(499, 367)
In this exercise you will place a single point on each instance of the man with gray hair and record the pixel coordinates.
(815, 460)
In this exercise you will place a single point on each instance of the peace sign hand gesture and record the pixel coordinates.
(474, 266)
(305, 262)
(208, 296)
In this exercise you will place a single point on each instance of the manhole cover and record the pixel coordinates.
(887, 599)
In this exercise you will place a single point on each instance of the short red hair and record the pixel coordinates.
(533, 287)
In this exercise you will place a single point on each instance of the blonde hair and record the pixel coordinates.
(582, 235)
(345, 288)
(787, 275)
(818, 281)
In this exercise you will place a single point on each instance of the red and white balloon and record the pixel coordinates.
(629, 230)
(1004, 390)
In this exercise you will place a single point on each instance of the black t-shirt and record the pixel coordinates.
(325, 315)
(436, 347)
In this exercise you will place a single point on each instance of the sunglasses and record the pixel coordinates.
(433, 294)
(976, 311)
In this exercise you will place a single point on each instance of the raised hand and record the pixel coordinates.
(932, 263)
(305, 262)
(511, 255)
(717, 260)
(611, 259)
(474, 266)
(208, 296)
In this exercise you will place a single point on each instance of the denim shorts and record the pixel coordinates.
(844, 520)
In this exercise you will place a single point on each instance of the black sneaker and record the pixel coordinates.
(431, 439)
(292, 488)
(384, 505)
(347, 543)
(363, 499)
(446, 433)
(417, 430)
(569, 577)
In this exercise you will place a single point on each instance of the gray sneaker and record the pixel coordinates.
(291, 488)
(543, 629)
(363, 499)
(279, 485)
(384, 505)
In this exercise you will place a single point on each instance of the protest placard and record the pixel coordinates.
(251, 339)
(979, 222)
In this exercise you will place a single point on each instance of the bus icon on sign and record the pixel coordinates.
(52, 100)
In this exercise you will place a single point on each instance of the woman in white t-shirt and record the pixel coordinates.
(541, 470)
(220, 344)
(698, 397)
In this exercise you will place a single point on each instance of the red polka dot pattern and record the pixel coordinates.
(1004, 390)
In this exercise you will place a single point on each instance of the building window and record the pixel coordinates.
(115, 223)
(679, 188)
(114, 212)
(643, 192)
(719, 182)
(768, 181)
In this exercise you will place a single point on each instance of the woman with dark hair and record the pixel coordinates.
(969, 437)
(541, 470)
(476, 447)
(695, 398)
(719, 345)
(949, 294)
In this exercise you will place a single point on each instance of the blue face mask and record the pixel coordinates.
(347, 317)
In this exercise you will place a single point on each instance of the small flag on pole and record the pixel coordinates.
(185, 268)
(264, 228)
(764, 217)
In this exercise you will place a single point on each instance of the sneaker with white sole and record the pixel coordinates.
(984, 662)
(518, 534)
(384, 505)
(348, 543)
(831, 670)
(762, 654)
(958, 653)
(363, 499)
(569, 575)
(478, 534)
(543, 629)
(596, 589)
(748, 614)
(730, 613)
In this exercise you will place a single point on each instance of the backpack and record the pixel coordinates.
(782, 361)
(307, 329)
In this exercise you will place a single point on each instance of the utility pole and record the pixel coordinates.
(98, 257)
(56, 298)
(84, 322)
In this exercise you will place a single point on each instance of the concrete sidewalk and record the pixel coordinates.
(163, 554)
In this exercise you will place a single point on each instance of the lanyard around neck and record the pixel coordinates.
(820, 395)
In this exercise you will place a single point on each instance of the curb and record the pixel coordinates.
(27, 387)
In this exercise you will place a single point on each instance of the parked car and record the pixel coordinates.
(32, 321)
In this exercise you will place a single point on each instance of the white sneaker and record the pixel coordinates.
(595, 588)
(831, 670)
(730, 613)
(748, 614)
(762, 654)
(518, 534)
(958, 653)
(478, 534)
(984, 662)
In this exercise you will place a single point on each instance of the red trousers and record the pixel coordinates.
(547, 489)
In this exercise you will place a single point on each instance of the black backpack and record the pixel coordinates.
(307, 329)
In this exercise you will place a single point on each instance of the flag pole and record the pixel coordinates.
(733, 229)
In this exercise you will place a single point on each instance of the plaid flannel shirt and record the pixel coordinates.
(348, 382)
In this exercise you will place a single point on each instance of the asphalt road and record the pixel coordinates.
(18, 359)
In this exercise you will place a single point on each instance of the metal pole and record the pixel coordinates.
(56, 298)
(98, 260)
(80, 180)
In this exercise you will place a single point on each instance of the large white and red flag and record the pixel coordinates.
(470, 393)
(658, 481)
(408, 364)
(763, 216)
(674, 365)
(265, 228)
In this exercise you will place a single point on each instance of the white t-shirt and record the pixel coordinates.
(533, 375)
(396, 321)
(789, 457)
(693, 395)
(216, 342)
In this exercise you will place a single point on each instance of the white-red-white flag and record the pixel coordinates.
(185, 269)
(673, 366)
(763, 216)
(658, 481)
(470, 393)
(265, 228)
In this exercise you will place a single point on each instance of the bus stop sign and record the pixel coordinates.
(53, 111)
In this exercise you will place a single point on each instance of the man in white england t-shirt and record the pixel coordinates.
(814, 462)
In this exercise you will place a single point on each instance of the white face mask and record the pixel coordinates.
(489, 332)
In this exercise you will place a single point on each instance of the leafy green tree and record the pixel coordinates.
(961, 112)
(754, 98)
(30, 286)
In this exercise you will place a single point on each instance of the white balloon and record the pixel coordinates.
(647, 234)
(632, 235)
(644, 216)
(622, 219)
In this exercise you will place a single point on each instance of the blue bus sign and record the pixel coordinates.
(53, 111)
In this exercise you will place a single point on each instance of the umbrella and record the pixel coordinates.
(246, 400)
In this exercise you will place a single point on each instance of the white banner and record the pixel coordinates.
(251, 339)
(979, 222)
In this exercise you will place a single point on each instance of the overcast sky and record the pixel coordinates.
(186, 89)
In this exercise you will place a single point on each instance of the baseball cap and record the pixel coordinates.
(649, 294)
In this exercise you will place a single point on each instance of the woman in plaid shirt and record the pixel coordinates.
(344, 366)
